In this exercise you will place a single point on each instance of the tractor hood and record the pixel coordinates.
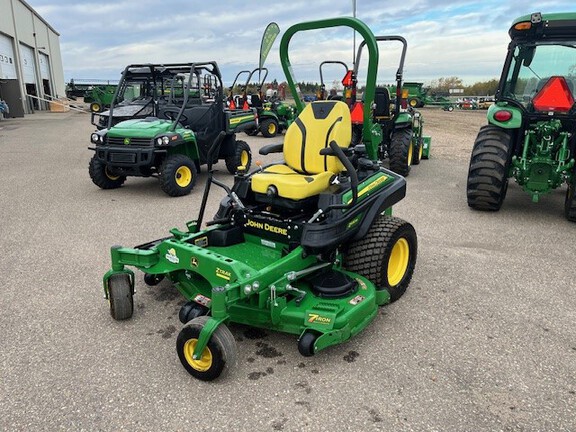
(141, 128)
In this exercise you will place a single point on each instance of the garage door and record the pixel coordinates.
(7, 59)
(28, 64)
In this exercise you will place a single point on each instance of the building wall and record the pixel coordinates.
(36, 50)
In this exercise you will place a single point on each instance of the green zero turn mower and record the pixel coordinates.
(530, 132)
(307, 246)
(172, 142)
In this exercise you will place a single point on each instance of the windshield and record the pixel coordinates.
(533, 65)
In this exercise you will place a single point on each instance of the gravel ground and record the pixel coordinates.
(484, 338)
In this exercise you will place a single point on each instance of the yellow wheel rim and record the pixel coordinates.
(110, 176)
(95, 107)
(420, 151)
(272, 128)
(183, 176)
(413, 103)
(410, 153)
(244, 158)
(204, 362)
(398, 262)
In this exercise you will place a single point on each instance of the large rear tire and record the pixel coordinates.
(178, 175)
(570, 202)
(242, 157)
(488, 171)
(386, 255)
(401, 151)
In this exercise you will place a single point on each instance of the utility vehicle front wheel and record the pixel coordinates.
(120, 296)
(488, 170)
(216, 359)
(241, 157)
(386, 255)
(102, 176)
(401, 151)
(570, 203)
(178, 175)
(269, 128)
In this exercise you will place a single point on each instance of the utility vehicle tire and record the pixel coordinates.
(401, 151)
(418, 151)
(488, 170)
(178, 175)
(153, 279)
(120, 296)
(251, 131)
(306, 343)
(101, 175)
(218, 356)
(386, 255)
(192, 310)
(241, 157)
(570, 202)
(95, 107)
(269, 128)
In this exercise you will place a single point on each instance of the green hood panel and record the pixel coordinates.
(140, 128)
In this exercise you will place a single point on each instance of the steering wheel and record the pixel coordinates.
(173, 114)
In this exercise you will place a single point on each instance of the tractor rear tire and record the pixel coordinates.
(102, 177)
(269, 128)
(218, 356)
(178, 175)
(401, 151)
(386, 255)
(570, 202)
(242, 157)
(488, 171)
(120, 296)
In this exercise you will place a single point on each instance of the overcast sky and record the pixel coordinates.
(445, 38)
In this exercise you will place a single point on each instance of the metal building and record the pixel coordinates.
(30, 59)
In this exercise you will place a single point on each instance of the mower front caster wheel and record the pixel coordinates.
(306, 343)
(218, 356)
(153, 279)
(120, 296)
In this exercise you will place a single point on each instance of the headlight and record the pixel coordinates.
(163, 140)
(95, 138)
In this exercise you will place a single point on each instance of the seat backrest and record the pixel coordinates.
(255, 101)
(318, 124)
(382, 102)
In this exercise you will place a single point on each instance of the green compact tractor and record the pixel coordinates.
(307, 246)
(172, 142)
(274, 115)
(100, 97)
(400, 136)
(530, 132)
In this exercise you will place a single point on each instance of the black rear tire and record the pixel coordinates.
(401, 151)
(178, 175)
(386, 255)
(102, 176)
(242, 157)
(418, 150)
(488, 170)
(570, 202)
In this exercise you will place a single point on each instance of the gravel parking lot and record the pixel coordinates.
(483, 340)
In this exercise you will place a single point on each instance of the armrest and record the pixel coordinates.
(271, 148)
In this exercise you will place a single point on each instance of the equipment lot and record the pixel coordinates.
(484, 338)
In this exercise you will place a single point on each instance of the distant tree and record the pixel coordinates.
(442, 86)
(482, 88)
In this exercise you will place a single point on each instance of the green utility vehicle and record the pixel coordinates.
(173, 142)
(530, 132)
(307, 246)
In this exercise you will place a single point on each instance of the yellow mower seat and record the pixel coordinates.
(305, 171)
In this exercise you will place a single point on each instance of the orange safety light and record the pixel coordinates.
(348, 80)
(554, 96)
(524, 25)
